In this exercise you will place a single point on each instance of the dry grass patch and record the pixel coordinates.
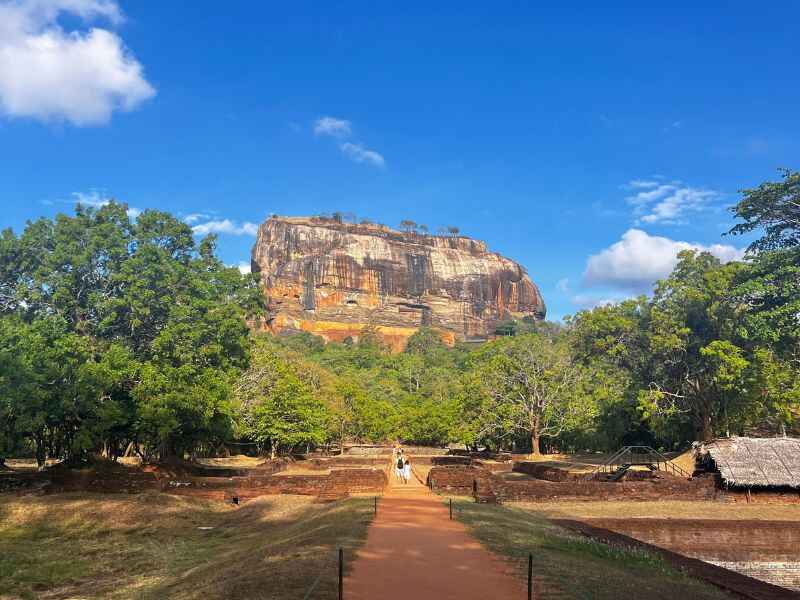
(567, 565)
(662, 509)
(239, 461)
(151, 546)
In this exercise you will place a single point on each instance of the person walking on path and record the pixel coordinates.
(400, 467)
(407, 471)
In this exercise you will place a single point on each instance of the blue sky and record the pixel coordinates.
(590, 142)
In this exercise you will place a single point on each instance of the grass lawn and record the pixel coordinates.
(151, 546)
(566, 565)
(663, 509)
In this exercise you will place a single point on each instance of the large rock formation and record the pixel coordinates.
(334, 279)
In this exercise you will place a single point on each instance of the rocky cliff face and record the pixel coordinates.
(333, 279)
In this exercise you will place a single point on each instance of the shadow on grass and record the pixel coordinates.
(152, 546)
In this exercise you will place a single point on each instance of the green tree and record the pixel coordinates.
(276, 408)
(532, 386)
(773, 207)
(698, 370)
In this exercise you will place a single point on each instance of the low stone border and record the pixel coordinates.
(730, 581)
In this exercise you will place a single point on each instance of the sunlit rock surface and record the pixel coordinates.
(334, 279)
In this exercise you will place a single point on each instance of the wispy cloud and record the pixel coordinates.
(196, 217)
(637, 260)
(657, 202)
(244, 267)
(341, 128)
(589, 301)
(50, 74)
(359, 154)
(97, 199)
(225, 226)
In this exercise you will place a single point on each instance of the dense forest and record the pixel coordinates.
(122, 335)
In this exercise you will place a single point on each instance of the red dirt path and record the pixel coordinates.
(414, 552)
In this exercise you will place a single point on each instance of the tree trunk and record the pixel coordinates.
(536, 449)
(128, 450)
(705, 432)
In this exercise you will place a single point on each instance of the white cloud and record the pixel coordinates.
(244, 267)
(359, 154)
(639, 259)
(643, 183)
(667, 203)
(226, 226)
(195, 217)
(50, 74)
(340, 128)
(97, 200)
(563, 285)
(589, 301)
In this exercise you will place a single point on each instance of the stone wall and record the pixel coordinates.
(766, 550)
(783, 573)
(541, 471)
(336, 484)
(368, 450)
(459, 480)
(472, 479)
(266, 479)
(740, 585)
(738, 495)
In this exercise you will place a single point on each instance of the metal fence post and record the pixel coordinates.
(341, 573)
(376, 505)
(451, 509)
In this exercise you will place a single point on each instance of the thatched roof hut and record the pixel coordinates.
(755, 462)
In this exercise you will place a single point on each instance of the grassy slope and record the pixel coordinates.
(149, 546)
(570, 566)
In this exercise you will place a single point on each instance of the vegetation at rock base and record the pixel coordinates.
(122, 335)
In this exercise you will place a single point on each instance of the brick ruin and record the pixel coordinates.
(761, 549)
(336, 479)
(757, 552)
(766, 550)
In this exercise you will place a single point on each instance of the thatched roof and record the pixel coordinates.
(756, 462)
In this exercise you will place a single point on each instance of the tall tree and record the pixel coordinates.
(532, 386)
(277, 409)
(698, 370)
(773, 207)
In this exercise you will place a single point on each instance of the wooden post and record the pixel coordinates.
(341, 573)
(530, 576)
(376, 505)
(451, 509)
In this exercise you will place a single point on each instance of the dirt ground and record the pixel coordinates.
(413, 550)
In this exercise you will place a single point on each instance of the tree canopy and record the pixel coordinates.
(121, 335)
